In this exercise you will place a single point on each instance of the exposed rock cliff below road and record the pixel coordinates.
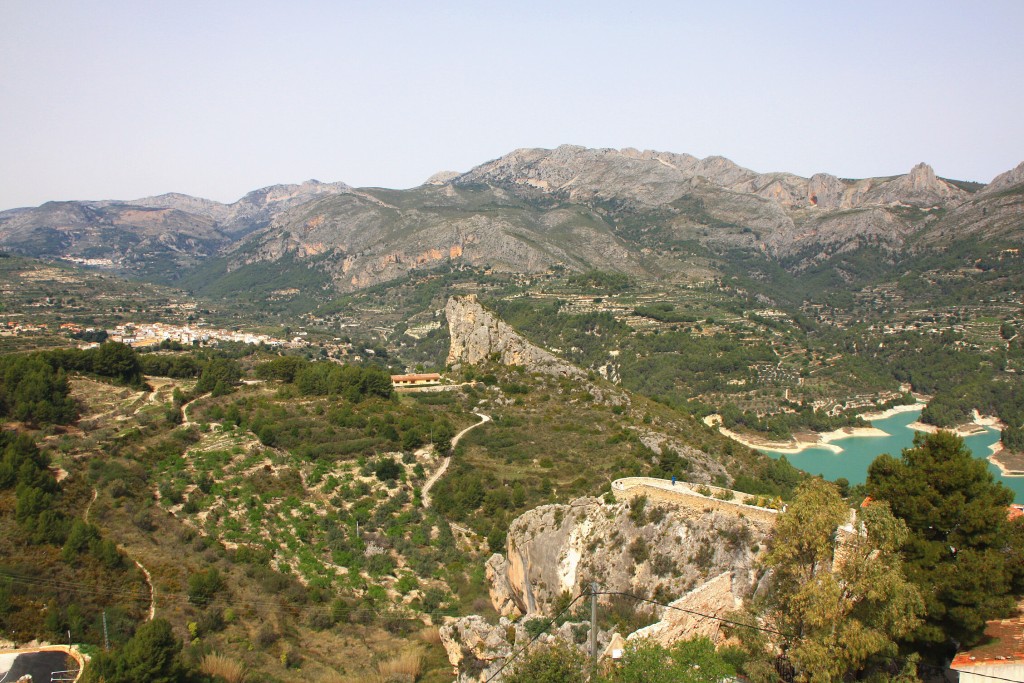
(664, 549)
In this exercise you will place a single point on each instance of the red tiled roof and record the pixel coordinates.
(1004, 644)
(1015, 512)
(416, 378)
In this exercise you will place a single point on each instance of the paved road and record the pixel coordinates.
(40, 665)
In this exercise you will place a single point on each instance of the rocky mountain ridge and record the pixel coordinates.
(655, 178)
(636, 212)
(150, 235)
(478, 335)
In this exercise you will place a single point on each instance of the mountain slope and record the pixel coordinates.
(155, 237)
(644, 213)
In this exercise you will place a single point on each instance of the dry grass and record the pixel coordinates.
(231, 670)
(405, 667)
(431, 635)
(333, 677)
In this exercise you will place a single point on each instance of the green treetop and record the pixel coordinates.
(837, 598)
(962, 552)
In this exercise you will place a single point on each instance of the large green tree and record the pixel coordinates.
(644, 661)
(837, 598)
(556, 663)
(150, 656)
(962, 552)
(688, 661)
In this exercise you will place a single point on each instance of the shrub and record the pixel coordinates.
(638, 550)
(266, 636)
(387, 469)
(203, 586)
(662, 565)
(220, 666)
(637, 510)
(405, 667)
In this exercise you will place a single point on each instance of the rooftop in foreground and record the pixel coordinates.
(1003, 645)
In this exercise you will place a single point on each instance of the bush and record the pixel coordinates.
(225, 668)
(558, 663)
(203, 586)
(387, 469)
(637, 510)
(266, 636)
(320, 620)
(638, 550)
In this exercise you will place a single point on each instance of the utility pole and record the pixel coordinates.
(593, 623)
(106, 640)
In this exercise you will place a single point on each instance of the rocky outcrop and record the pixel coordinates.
(475, 648)
(659, 548)
(477, 335)
(442, 177)
(825, 191)
(1005, 181)
(698, 613)
(920, 187)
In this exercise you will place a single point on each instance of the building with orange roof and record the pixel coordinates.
(1016, 512)
(416, 380)
(999, 657)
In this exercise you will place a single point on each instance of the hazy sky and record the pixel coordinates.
(109, 99)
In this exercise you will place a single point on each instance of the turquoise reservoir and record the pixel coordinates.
(859, 452)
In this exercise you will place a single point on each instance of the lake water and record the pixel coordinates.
(859, 452)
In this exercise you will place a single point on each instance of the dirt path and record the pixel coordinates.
(88, 507)
(157, 385)
(142, 568)
(152, 589)
(185, 421)
(425, 493)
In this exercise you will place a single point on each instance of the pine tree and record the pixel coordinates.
(961, 546)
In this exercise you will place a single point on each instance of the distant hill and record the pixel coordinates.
(156, 237)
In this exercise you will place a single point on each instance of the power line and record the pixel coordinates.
(402, 612)
(784, 635)
(972, 673)
(698, 614)
(523, 649)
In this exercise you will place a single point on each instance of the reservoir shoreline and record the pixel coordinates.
(839, 454)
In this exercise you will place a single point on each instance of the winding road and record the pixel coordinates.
(425, 493)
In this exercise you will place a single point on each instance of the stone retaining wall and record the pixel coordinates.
(683, 495)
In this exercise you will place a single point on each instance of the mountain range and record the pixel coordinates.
(644, 213)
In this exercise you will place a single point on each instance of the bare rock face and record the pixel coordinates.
(920, 187)
(442, 177)
(1005, 181)
(825, 191)
(475, 648)
(556, 549)
(478, 335)
(695, 613)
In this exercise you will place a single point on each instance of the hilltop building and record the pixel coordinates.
(415, 380)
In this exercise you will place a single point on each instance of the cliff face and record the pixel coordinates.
(664, 549)
(477, 335)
